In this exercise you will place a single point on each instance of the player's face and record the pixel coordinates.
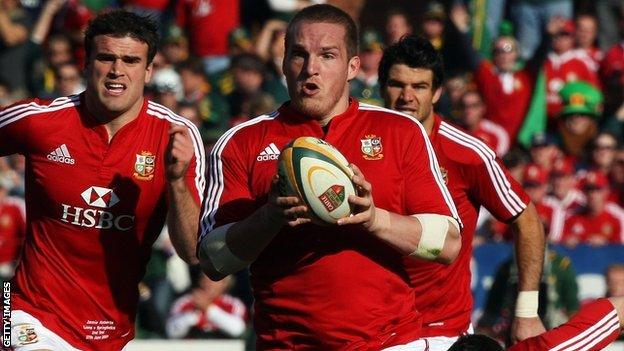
(410, 90)
(318, 69)
(117, 71)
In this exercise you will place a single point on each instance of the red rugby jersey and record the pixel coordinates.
(593, 328)
(94, 209)
(505, 106)
(329, 287)
(583, 226)
(12, 228)
(475, 177)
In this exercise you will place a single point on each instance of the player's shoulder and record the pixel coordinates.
(249, 131)
(36, 106)
(463, 147)
(388, 117)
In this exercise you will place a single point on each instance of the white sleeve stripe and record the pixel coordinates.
(18, 112)
(433, 161)
(501, 134)
(215, 176)
(198, 146)
(606, 323)
(508, 197)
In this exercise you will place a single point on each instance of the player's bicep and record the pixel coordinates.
(495, 188)
(14, 129)
(425, 189)
(196, 172)
(227, 197)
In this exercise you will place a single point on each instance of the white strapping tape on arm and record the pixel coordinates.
(527, 304)
(434, 231)
(215, 247)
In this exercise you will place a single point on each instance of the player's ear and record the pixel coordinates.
(354, 67)
(148, 72)
(436, 94)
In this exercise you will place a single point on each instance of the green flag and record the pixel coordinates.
(535, 119)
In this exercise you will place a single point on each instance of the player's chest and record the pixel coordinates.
(377, 155)
(82, 169)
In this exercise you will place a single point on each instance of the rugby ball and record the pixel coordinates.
(318, 174)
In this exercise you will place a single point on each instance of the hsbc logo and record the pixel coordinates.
(100, 197)
(103, 198)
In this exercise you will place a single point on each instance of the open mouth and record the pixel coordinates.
(310, 88)
(115, 88)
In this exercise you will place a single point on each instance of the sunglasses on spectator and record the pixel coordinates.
(604, 147)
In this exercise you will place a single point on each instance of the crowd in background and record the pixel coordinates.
(540, 82)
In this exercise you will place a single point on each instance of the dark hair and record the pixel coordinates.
(476, 342)
(119, 24)
(326, 14)
(415, 52)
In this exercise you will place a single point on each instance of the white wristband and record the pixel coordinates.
(434, 230)
(527, 304)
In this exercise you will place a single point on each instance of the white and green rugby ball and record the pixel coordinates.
(318, 174)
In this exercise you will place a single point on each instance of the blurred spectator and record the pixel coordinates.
(270, 48)
(248, 72)
(14, 29)
(167, 86)
(285, 9)
(582, 104)
(603, 152)
(586, 35)
(593, 224)
(365, 86)
(175, 46)
(42, 59)
(544, 150)
(532, 16)
(471, 119)
(6, 95)
(506, 90)
(433, 24)
(565, 64)
(207, 311)
(564, 197)
(213, 108)
(558, 298)
(617, 178)
(614, 276)
(239, 42)
(398, 24)
(191, 112)
(12, 229)
(535, 183)
(68, 80)
(221, 16)
(612, 76)
(449, 105)
(150, 8)
(610, 14)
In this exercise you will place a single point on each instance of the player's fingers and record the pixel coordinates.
(361, 217)
(295, 212)
(299, 221)
(363, 202)
(363, 186)
(287, 201)
(175, 128)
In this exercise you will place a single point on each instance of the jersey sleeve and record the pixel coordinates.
(228, 197)
(195, 179)
(14, 126)
(425, 189)
(494, 187)
(593, 328)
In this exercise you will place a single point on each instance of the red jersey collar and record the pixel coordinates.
(290, 115)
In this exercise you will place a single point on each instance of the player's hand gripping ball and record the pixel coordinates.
(319, 175)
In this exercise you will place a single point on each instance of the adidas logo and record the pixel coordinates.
(61, 154)
(270, 152)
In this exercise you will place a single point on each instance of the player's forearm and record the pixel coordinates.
(11, 33)
(529, 246)
(226, 253)
(404, 233)
(183, 218)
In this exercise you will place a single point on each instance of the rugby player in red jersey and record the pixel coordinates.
(328, 287)
(593, 328)
(105, 168)
(410, 76)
